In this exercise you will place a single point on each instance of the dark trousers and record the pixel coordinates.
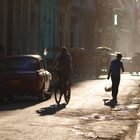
(115, 86)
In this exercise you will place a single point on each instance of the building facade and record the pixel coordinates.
(104, 24)
(47, 36)
(30, 26)
(19, 26)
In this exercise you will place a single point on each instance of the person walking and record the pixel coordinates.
(115, 72)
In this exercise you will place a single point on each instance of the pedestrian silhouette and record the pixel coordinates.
(115, 72)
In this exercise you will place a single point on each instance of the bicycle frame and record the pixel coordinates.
(62, 88)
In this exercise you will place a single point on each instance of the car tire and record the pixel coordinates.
(41, 97)
(49, 93)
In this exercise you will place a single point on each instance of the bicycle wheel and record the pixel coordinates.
(67, 94)
(57, 93)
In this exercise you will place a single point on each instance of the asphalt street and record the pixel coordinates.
(87, 116)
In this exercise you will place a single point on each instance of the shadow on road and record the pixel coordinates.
(110, 103)
(51, 109)
(19, 103)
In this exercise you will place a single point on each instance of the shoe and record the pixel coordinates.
(115, 100)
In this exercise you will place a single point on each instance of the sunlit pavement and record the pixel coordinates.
(87, 116)
(106, 121)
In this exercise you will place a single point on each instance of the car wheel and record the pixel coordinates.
(48, 95)
(41, 97)
(50, 91)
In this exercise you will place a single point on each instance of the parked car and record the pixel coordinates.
(24, 75)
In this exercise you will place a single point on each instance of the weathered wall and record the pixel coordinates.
(23, 22)
(18, 26)
(3, 24)
(47, 24)
(30, 26)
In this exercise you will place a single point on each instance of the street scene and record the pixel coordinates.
(69, 70)
(85, 117)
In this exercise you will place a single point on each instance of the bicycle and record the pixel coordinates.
(62, 87)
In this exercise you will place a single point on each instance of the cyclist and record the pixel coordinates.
(63, 65)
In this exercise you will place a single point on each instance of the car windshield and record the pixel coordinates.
(21, 64)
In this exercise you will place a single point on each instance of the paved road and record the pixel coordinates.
(85, 117)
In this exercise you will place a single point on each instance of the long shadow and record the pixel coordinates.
(111, 103)
(51, 109)
(19, 103)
